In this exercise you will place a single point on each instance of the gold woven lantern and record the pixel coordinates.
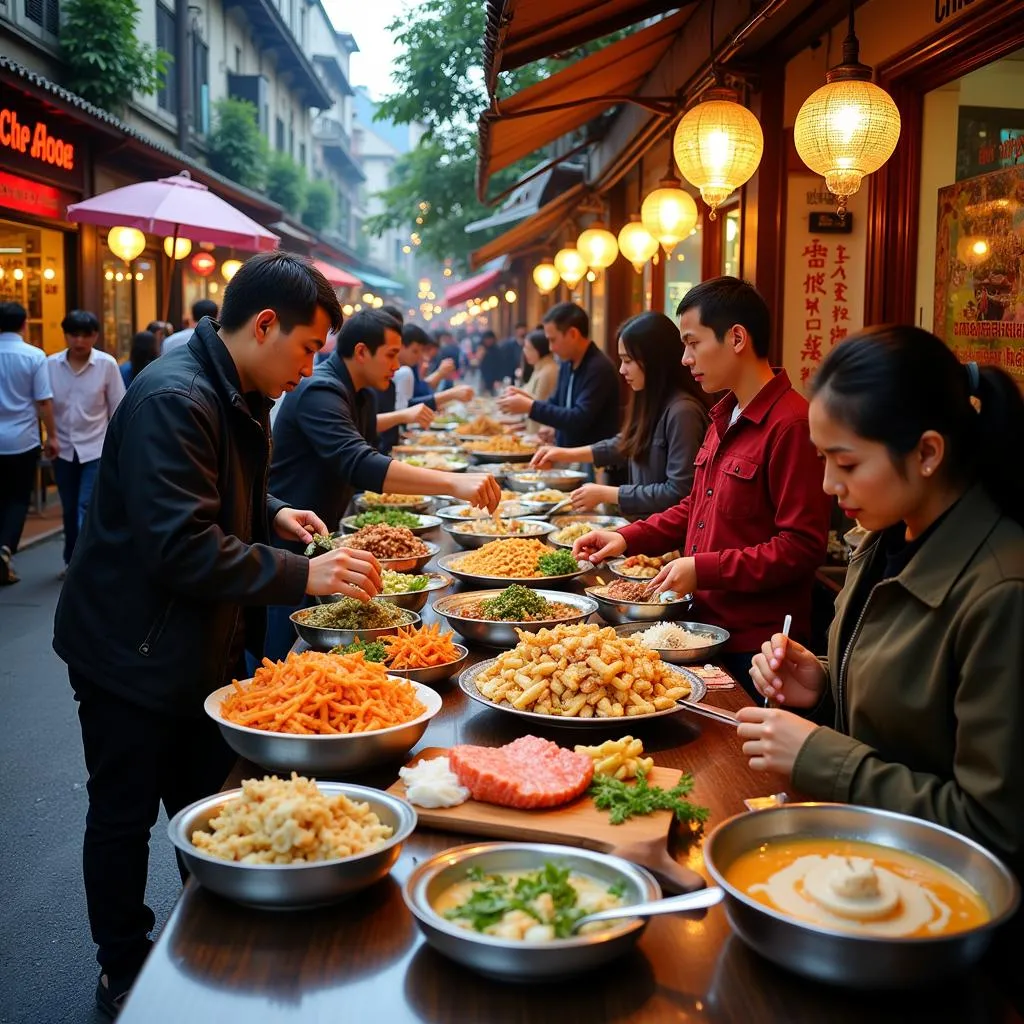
(669, 213)
(847, 128)
(126, 243)
(546, 277)
(718, 145)
(636, 243)
(597, 246)
(571, 266)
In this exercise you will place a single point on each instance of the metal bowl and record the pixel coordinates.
(503, 634)
(412, 448)
(719, 638)
(412, 564)
(448, 563)
(620, 612)
(842, 957)
(507, 959)
(467, 683)
(292, 886)
(320, 638)
(497, 458)
(427, 523)
(602, 522)
(536, 529)
(452, 465)
(508, 509)
(436, 673)
(420, 505)
(415, 600)
(539, 480)
(454, 425)
(324, 754)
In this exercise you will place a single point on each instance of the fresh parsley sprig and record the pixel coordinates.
(627, 800)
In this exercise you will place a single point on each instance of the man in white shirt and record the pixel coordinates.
(25, 398)
(87, 387)
(200, 308)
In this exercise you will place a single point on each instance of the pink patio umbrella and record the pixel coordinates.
(179, 207)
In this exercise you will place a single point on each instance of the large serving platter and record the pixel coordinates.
(447, 563)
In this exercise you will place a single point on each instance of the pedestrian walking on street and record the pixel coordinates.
(87, 388)
(172, 575)
(25, 399)
(200, 308)
(145, 348)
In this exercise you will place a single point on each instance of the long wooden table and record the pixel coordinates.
(365, 962)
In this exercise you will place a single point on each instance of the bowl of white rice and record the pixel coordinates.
(680, 643)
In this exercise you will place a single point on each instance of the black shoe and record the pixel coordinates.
(7, 573)
(110, 997)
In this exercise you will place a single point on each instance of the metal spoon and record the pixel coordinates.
(673, 905)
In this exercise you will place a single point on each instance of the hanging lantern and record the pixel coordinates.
(546, 277)
(203, 264)
(718, 145)
(229, 268)
(510, 296)
(669, 213)
(177, 248)
(571, 266)
(597, 246)
(636, 243)
(126, 243)
(847, 128)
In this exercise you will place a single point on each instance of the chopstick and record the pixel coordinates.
(707, 711)
(786, 625)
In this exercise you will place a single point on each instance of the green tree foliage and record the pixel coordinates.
(235, 146)
(286, 183)
(106, 62)
(320, 207)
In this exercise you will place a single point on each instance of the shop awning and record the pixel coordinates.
(523, 123)
(380, 282)
(521, 31)
(470, 288)
(533, 231)
(526, 199)
(336, 276)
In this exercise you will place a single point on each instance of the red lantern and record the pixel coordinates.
(203, 264)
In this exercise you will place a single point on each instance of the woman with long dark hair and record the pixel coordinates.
(666, 420)
(924, 680)
(145, 348)
(543, 371)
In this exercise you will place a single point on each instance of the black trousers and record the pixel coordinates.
(17, 476)
(137, 759)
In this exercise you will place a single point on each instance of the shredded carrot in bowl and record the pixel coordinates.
(425, 647)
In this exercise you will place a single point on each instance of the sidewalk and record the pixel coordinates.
(40, 526)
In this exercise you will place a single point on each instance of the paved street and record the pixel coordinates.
(47, 957)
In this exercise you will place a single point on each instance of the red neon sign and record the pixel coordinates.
(30, 197)
(35, 142)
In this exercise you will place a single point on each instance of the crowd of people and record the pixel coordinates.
(200, 512)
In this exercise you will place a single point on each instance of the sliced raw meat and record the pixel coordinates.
(529, 772)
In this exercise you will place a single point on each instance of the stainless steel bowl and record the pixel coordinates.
(448, 563)
(602, 522)
(436, 673)
(539, 480)
(329, 754)
(508, 959)
(445, 426)
(411, 448)
(423, 505)
(497, 458)
(620, 612)
(415, 600)
(427, 523)
(453, 464)
(471, 540)
(292, 886)
(614, 566)
(508, 509)
(842, 957)
(717, 639)
(321, 638)
(412, 564)
(503, 634)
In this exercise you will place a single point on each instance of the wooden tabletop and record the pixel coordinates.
(365, 962)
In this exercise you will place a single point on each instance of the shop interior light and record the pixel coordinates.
(849, 127)
(358, 307)
(597, 246)
(126, 243)
(546, 277)
(49, 274)
(229, 268)
(636, 243)
(669, 212)
(510, 296)
(591, 276)
(367, 297)
(447, 271)
(474, 310)
(108, 276)
(378, 303)
(347, 309)
(18, 274)
(138, 277)
(203, 264)
(178, 248)
(119, 277)
(571, 266)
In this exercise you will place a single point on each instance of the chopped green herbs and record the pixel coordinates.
(557, 563)
(348, 613)
(401, 582)
(375, 650)
(387, 517)
(320, 544)
(626, 800)
(515, 604)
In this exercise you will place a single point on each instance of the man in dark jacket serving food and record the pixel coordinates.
(171, 575)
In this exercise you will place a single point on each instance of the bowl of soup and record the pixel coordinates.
(859, 897)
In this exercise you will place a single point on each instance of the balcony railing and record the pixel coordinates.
(329, 131)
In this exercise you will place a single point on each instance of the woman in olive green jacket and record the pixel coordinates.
(925, 667)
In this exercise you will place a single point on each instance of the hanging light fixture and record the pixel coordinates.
(669, 212)
(347, 310)
(546, 277)
(177, 248)
(849, 127)
(126, 243)
(571, 266)
(597, 246)
(229, 268)
(636, 243)
(203, 264)
(510, 296)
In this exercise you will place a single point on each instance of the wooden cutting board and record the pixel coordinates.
(579, 823)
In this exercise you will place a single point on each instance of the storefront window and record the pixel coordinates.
(682, 269)
(598, 330)
(731, 242)
(129, 300)
(32, 273)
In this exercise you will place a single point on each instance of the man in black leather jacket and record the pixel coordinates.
(171, 575)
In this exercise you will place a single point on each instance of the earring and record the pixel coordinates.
(927, 470)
